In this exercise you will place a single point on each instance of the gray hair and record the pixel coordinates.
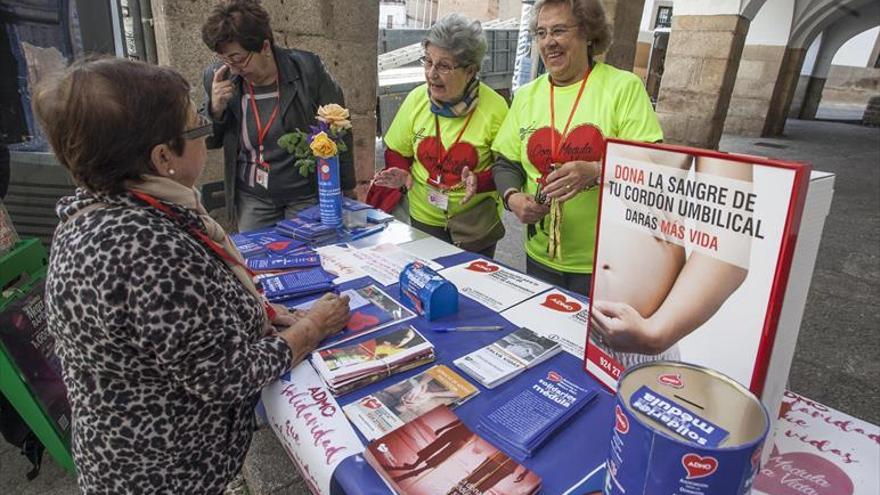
(590, 18)
(461, 36)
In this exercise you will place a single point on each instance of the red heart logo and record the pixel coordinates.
(697, 466)
(482, 267)
(554, 377)
(461, 154)
(671, 380)
(361, 321)
(558, 302)
(371, 403)
(584, 142)
(621, 422)
(278, 245)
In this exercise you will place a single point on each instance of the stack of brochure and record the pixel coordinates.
(437, 453)
(353, 212)
(394, 406)
(520, 422)
(350, 367)
(303, 230)
(292, 285)
(284, 262)
(266, 243)
(507, 357)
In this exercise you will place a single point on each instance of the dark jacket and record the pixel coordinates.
(305, 84)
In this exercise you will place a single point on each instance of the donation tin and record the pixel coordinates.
(682, 429)
(426, 292)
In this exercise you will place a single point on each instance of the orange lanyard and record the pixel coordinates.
(263, 131)
(554, 151)
(443, 155)
(205, 240)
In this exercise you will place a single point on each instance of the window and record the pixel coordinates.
(664, 17)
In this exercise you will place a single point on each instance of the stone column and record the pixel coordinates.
(625, 16)
(784, 90)
(342, 32)
(701, 65)
(756, 80)
(812, 98)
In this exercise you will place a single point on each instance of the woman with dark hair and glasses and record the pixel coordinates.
(551, 143)
(164, 340)
(438, 146)
(256, 92)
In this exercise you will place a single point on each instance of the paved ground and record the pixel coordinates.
(837, 356)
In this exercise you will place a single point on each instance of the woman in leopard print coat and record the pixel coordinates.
(165, 342)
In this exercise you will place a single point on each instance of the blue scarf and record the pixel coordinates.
(463, 106)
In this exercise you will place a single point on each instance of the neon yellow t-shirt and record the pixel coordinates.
(616, 102)
(412, 134)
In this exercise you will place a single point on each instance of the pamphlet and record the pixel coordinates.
(392, 407)
(492, 285)
(556, 315)
(507, 357)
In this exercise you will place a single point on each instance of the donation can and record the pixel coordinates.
(329, 191)
(682, 429)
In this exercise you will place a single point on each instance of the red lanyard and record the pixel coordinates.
(442, 155)
(554, 151)
(205, 240)
(262, 131)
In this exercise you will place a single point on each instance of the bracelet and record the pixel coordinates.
(507, 194)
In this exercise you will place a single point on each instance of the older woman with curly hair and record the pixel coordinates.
(550, 144)
(439, 144)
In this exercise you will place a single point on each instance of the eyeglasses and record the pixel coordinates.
(204, 127)
(556, 32)
(236, 60)
(441, 68)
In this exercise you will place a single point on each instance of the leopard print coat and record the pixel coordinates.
(161, 347)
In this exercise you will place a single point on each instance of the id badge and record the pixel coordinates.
(438, 199)
(261, 175)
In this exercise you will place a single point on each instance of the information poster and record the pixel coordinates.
(692, 259)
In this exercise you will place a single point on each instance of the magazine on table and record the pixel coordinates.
(437, 453)
(507, 357)
(349, 367)
(392, 407)
(370, 309)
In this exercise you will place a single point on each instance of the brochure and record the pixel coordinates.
(291, 285)
(493, 285)
(507, 357)
(437, 453)
(559, 316)
(392, 407)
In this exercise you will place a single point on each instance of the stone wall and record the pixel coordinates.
(759, 68)
(342, 32)
(700, 70)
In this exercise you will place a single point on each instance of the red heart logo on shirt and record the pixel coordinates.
(621, 422)
(482, 267)
(461, 154)
(584, 142)
(360, 321)
(558, 302)
(698, 466)
(671, 379)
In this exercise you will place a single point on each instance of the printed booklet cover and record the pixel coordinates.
(392, 407)
(693, 252)
(437, 453)
(507, 357)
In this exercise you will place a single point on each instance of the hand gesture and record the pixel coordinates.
(469, 179)
(394, 177)
(526, 209)
(623, 329)
(570, 178)
(221, 92)
(330, 314)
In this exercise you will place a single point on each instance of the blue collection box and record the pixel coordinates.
(426, 292)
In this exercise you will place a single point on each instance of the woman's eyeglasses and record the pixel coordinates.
(236, 60)
(556, 32)
(204, 127)
(442, 68)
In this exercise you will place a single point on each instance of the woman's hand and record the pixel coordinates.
(221, 92)
(469, 179)
(327, 316)
(394, 177)
(570, 178)
(623, 329)
(526, 209)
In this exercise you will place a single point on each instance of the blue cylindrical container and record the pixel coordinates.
(682, 429)
(329, 191)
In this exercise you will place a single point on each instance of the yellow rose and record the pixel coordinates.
(335, 116)
(322, 146)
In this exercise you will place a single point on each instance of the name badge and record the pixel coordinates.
(438, 199)
(261, 176)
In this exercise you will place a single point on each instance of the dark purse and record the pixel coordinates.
(477, 228)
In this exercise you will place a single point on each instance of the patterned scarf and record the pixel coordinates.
(463, 106)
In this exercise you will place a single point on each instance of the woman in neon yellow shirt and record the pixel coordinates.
(440, 141)
(550, 144)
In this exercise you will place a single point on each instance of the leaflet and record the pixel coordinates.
(507, 357)
(556, 315)
(492, 285)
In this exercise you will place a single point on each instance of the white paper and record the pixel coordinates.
(430, 248)
(554, 315)
(339, 260)
(384, 262)
(493, 285)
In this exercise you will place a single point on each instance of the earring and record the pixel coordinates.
(170, 171)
